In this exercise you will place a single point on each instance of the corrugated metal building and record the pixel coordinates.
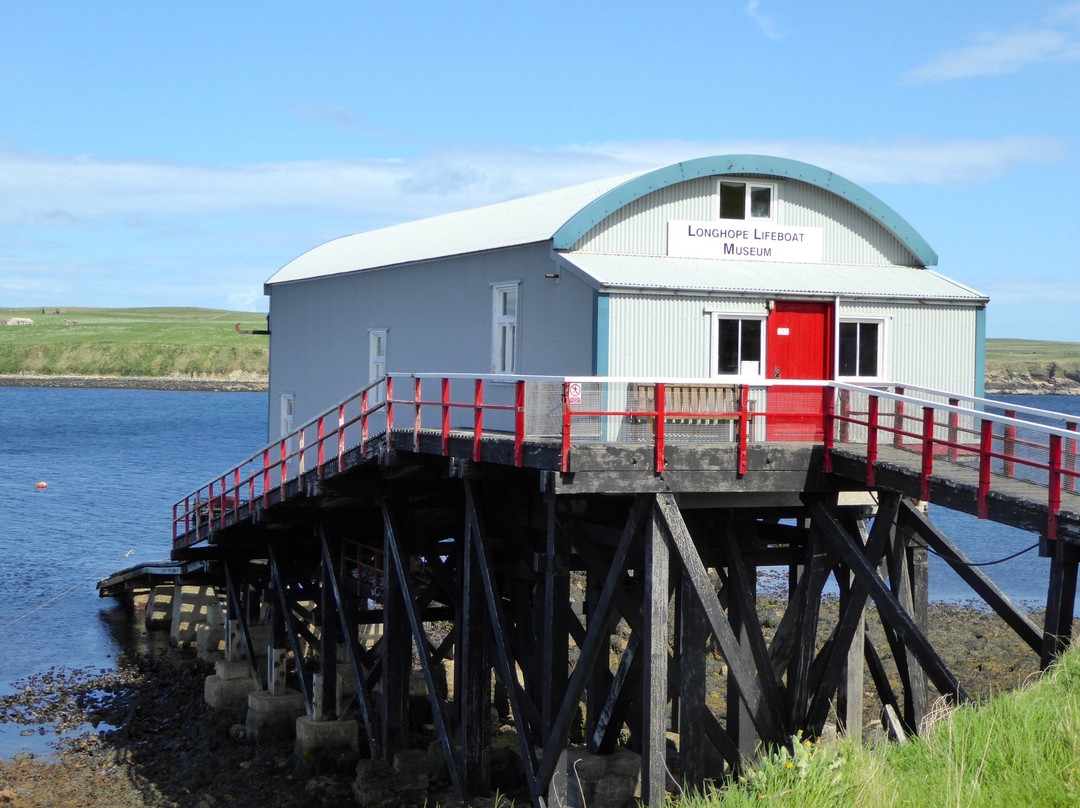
(734, 267)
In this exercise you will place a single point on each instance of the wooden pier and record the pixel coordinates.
(567, 553)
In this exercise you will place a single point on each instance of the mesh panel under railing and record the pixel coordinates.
(624, 412)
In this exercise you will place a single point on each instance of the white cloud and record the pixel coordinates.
(994, 53)
(154, 197)
(765, 22)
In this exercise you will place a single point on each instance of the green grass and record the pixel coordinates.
(133, 342)
(1019, 748)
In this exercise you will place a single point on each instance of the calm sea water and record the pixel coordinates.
(116, 460)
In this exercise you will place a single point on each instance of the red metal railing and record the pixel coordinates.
(961, 430)
(561, 412)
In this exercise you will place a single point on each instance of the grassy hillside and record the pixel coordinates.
(1017, 356)
(147, 342)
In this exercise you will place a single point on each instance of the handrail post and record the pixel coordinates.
(363, 423)
(174, 519)
(417, 398)
(898, 420)
(389, 409)
(829, 431)
(954, 425)
(1070, 455)
(320, 438)
(1053, 504)
(445, 416)
(1009, 444)
(661, 416)
(564, 459)
(236, 494)
(845, 413)
(341, 437)
(301, 453)
(927, 452)
(744, 428)
(284, 465)
(266, 478)
(986, 445)
(871, 439)
(478, 418)
(519, 422)
(224, 499)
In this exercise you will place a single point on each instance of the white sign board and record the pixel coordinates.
(573, 393)
(738, 240)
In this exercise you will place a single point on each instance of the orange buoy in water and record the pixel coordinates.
(42, 485)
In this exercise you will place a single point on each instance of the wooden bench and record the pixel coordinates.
(714, 402)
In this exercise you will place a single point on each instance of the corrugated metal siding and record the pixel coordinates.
(439, 318)
(666, 335)
(928, 345)
(851, 235)
(640, 228)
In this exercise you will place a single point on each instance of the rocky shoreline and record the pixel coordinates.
(996, 383)
(1046, 382)
(233, 383)
(158, 745)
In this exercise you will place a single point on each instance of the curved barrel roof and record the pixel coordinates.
(563, 216)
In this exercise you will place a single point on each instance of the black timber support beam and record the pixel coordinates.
(397, 565)
(1060, 599)
(349, 631)
(911, 516)
(596, 641)
(756, 687)
(889, 607)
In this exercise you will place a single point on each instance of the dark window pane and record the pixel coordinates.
(849, 348)
(760, 203)
(751, 341)
(732, 200)
(728, 349)
(868, 349)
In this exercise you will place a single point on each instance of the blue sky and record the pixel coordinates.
(157, 154)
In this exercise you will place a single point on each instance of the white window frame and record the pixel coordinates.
(287, 413)
(377, 362)
(714, 345)
(748, 186)
(503, 324)
(882, 341)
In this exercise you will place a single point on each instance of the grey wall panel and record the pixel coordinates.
(439, 320)
(667, 335)
(928, 345)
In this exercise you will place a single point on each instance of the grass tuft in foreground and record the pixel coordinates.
(1019, 748)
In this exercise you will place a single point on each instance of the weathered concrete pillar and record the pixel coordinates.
(272, 718)
(585, 780)
(327, 746)
(193, 606)
(159, 607)
(228, 687)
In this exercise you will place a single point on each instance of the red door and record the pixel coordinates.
(798, 346)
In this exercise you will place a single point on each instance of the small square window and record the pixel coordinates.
(860, 349)
(732, 200)
(738, 348)
(737, 199)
